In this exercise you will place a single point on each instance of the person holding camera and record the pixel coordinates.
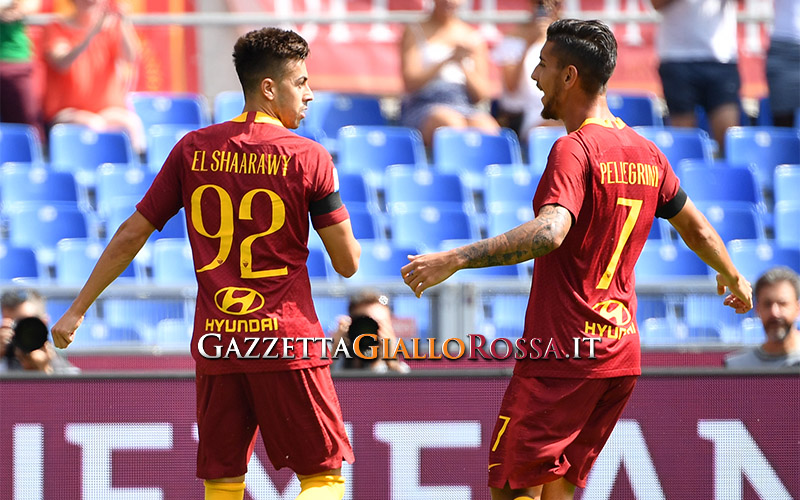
(23, 335)
(368, 313)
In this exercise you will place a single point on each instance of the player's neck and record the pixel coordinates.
(584, 107)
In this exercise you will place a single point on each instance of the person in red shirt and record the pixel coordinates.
(89, 61)
(248, 186)
(579, 356)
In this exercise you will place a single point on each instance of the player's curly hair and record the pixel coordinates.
(590, 46)
(264, 53)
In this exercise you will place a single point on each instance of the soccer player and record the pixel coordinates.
(594, 206)
(248, 186)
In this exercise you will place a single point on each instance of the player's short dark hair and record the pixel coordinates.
(590, 46)
(776, 275)
(366, 298)
(264, 53)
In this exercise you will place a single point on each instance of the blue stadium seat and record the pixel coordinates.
(143, 315)
(366, 225)
(80, 150)
(356, 192)
(369, 150)
(509, 186)
(659, 262)
(505, 316)
(470, 151)
(160, 141)
(716, 181)
(330, 111)
(635, 109)
(173, 334)
(429, 226)
(680, 143)
(787, 223)
(170, 108)
(501, 218)
(120, 184)
(172, 262)
(407, 188)
(228, 104)
(316, 264)
(19, 143)
(75, 259)
(753, 257)
(381, 261)
(41, 226)
(23, 183)
(540, 142)
(766, 147)
(734, 220)
(119, 212)
(328, 309)
(787, 183)
(94, 333)
(17, 262)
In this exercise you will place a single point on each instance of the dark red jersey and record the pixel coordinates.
(613, 182)
(248, 186)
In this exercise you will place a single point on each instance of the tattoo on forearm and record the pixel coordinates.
(528, 241)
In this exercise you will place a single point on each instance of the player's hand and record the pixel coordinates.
(741, 296)
(64, 329)
(425, 271)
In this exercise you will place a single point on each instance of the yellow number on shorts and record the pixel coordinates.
(505, 420)
(226, 226)
(627, 229)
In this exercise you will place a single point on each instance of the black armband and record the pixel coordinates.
(671, 208)
(326, 205)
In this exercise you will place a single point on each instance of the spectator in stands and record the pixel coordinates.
(697, 45)
(517, 54)
(18, 350)
(368, 313)
(777, 304)
(90, 60)
(18, 102)
(445, 67)
(783, 63)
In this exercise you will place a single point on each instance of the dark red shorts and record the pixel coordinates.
(554, 427)
(297, 410)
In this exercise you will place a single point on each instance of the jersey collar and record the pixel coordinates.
(259, 118)
(615, 123)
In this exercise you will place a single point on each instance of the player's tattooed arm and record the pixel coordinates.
(528, 241)
(533, 239)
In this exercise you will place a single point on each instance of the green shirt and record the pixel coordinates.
(15, 46)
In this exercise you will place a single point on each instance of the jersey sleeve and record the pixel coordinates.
(325, 205)
(564, 180)
(671, 197)
(163, 200)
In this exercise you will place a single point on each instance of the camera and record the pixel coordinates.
(361, 325)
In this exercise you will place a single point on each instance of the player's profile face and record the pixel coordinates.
(292, 94)
(778, 308)
(546, 75)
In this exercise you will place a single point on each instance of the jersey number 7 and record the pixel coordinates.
(627, 229)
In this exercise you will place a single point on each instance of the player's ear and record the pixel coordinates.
(268, 88)
(570, 75)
